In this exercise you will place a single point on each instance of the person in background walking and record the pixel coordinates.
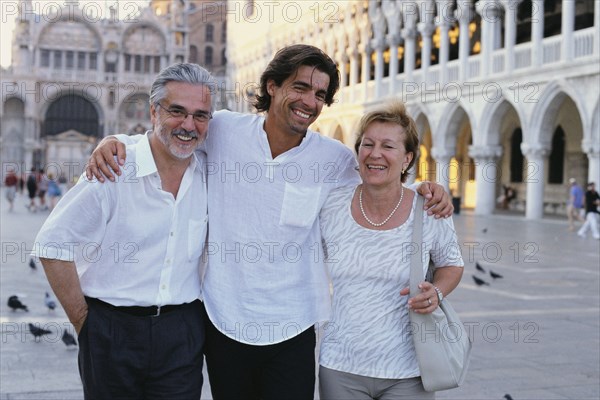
(42, 181)
(592, 201)
(32, 190)
(54, 191)
(575, 206)
(10, 181)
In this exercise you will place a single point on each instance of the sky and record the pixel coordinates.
(8, 13)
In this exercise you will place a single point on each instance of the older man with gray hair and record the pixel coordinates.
(132, 290)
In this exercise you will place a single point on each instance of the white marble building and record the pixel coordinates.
(82, 71)
(505, 92)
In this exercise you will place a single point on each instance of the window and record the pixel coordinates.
(70, 64)
(45, 58)
(137, 66)
(223, 58)
(147, 64)
(80, 60)
(93, 61)
(208, 56)
(127, 62)
(210, 31)
(224, 33)
(156, 64)
(57, 59)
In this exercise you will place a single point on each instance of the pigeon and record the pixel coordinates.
(495, 275)
(484, 230)
(69, 340)
(478, 267)
(508, 397)
(15, 304)
(479, 281)
(32, 264)
(37, 332)
(50, 303)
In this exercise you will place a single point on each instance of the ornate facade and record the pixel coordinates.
(504, 92)
(80, 72)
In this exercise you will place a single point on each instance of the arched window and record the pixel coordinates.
(516, 157)
(556, 161)
(208, 56)
(71, 112)
(210, 32)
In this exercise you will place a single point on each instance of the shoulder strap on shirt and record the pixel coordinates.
(416, 261)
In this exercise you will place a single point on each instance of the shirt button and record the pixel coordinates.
(171, 233)
(168, 261)
(163, 287)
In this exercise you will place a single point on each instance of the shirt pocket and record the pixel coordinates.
(196, 237)
(300, 205)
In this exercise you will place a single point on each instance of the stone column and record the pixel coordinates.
(393, 41)
(444, 26)
(366, 70)
(536, 166)
(510, 32)
(464, 14)
(486, 177)
(426, 29)
(343, 59)
(378, 45)
(537, 33)
(409, 34)
(568, 26)
(594, 166)
(597, 26)
(488, 9)
(353, 56)
(442, 158)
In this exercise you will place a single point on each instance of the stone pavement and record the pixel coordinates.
(536, 331)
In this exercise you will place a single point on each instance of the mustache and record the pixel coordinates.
(183, 132)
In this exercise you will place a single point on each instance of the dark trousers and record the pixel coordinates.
(279, 371)
(122, 356)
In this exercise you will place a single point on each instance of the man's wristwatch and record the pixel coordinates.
(439, 294)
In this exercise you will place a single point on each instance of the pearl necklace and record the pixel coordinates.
(362, 210)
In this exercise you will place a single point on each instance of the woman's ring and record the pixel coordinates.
(429, 301)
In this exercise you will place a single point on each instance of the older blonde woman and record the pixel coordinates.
(367, 351)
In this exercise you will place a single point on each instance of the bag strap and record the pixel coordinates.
(416, 261)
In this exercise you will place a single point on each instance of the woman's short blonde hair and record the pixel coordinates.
(393, 112)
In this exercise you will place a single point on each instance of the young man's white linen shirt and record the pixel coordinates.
(265, 281)
(132, 242)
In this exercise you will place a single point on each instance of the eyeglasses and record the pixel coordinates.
(180, 114)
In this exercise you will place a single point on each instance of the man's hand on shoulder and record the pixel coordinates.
(437, 200)
(102, 161)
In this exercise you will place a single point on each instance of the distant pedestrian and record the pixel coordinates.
(575, 206)
(54, 191)
(42, 181)
(10, 181)
(32, 189)
(592, 202)
(21, 186)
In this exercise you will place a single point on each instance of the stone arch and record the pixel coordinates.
(545, 112)
(12, 135)
(63, 28)
(455, 134)
(134, 113)
(492, 118)
(424, 168)
(72, 112)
